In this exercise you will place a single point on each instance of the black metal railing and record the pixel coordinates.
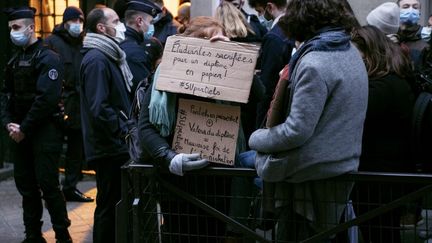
(201, 205)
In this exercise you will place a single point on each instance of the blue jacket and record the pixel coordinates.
(165, 27)
(255, 24)
(136, 56)
(103, 98)
(275, 53)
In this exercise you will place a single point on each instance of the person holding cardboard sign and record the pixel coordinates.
(156, 129)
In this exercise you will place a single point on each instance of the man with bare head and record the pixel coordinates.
(105, 86)
(410, 32)
(183, 13)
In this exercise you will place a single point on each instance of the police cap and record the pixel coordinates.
(20, 13)
(145, 6)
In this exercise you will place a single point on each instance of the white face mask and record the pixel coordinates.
(75, 29)
(20, 38)
(120, 32)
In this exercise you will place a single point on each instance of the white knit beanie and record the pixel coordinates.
(385, 17)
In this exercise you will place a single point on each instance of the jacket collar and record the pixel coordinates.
(132, 34)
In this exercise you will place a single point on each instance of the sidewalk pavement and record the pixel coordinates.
(11, 222)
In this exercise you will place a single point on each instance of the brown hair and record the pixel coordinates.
(381, 55)
(304, 18)
(200, 27)
(233, 20)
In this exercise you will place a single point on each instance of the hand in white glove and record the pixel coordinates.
(186, 162)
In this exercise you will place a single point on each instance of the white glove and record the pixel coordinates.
(186, 162)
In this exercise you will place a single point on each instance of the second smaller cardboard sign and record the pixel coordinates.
(207, 128)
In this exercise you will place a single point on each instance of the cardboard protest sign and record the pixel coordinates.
(217, 70)
(207, 128)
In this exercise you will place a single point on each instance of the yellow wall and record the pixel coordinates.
(172, 6)
(47, 21)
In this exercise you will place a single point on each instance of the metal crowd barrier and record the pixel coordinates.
(206, 206)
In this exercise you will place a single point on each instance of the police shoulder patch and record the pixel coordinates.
(53, 74)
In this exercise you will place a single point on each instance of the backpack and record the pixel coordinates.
(136, 152)
(421, 125)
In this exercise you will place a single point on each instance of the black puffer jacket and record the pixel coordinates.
(68, 48)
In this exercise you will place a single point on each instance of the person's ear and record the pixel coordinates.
(100, 28)
(269, 7)
(138, 21)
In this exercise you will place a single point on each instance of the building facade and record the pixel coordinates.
(49, 13)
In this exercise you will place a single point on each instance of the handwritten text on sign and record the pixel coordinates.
(207, 128)
(218, 70)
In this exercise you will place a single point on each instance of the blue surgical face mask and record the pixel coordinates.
(264, 22)
(409, 16)
(20, 38)
(75, 29)
(149, 33)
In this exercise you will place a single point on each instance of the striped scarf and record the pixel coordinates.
(110, 48)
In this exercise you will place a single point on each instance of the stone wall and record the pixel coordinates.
(360, 7)
(363, 7)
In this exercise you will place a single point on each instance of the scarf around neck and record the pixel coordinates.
(327, 39)
(110, 48)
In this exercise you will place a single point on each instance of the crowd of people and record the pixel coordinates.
(328, 97)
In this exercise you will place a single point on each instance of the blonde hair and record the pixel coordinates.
(233, 20)
(201, 27)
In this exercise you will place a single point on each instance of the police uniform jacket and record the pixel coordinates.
(135, 56)
(32, 88)
(69, 49)
(103, 99)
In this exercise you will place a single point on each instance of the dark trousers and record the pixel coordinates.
(36, 170)
(73, 159)
(108, 182)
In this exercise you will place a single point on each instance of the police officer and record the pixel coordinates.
(138, 17)
(30, 98)
(105, 83)
(66, 40)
